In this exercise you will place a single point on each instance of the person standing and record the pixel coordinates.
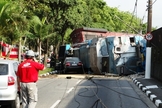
(27, 76)
(53, 60)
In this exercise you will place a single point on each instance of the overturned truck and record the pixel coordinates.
(121, 55)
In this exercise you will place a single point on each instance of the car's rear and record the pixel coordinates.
(73, 64)
(8, 85)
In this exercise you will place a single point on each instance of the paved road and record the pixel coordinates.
(96, 92)
(51, 90)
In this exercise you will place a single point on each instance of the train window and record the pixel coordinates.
(89, 36)
(132, 41)
(120, 42)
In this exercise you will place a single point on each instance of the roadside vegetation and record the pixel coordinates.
(38, 24)
(46, 70)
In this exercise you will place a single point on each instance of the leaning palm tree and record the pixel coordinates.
(4, 5)
(12, 21)
(40, 31)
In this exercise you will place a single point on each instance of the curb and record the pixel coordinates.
(49, 73)
(76, 76)
(152, 96)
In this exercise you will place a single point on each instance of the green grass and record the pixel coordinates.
(46, 70)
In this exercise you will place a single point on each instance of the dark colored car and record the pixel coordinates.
(72, 64)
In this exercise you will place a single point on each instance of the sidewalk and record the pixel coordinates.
(152, 88)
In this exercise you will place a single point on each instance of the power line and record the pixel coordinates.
(128, 25)
(135, 10)
(154, 2)
(149, 9)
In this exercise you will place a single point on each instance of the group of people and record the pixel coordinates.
(27, 76)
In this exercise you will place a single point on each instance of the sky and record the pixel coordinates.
(128, 5)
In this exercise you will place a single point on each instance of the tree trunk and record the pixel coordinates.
(56, 50)
(1, 48)
(45, 60)
(19, 53)
(24, 41)
(46, 53)
(47, 48)
(38, 40)
(40, 50)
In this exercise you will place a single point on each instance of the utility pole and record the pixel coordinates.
(148, 44)
(149, 20)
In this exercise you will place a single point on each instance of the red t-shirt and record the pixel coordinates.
(28, 71)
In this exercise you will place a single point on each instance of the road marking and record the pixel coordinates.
(55, 104)
(152, 86)
(78, 82)
(70, 90)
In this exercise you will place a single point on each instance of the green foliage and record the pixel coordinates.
(67, 36)
(12, 22)
(46, 71)
(39, 28)
(55, 19)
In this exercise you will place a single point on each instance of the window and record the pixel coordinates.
(74, 59)
(3, 69)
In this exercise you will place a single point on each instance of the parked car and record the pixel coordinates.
(9, 93)
(72, 64)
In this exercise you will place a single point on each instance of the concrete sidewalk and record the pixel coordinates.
(152, 88)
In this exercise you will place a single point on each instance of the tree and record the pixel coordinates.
(40, 31)
(13, 23)
(57, 18)
(3, 16)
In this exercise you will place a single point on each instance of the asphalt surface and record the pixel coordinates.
(151, 87)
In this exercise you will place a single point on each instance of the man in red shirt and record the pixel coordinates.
(27, 75)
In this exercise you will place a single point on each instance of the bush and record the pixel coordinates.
(46, 70)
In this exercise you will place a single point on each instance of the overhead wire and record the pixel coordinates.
(75, 93)
(98, 99)
(154, 2)
(80, 94)
(129, 25)
(63, 93)
(146, 11)
(96, 103)
(142, 20)
(95, 94)
(135, 10)
(119, 92)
